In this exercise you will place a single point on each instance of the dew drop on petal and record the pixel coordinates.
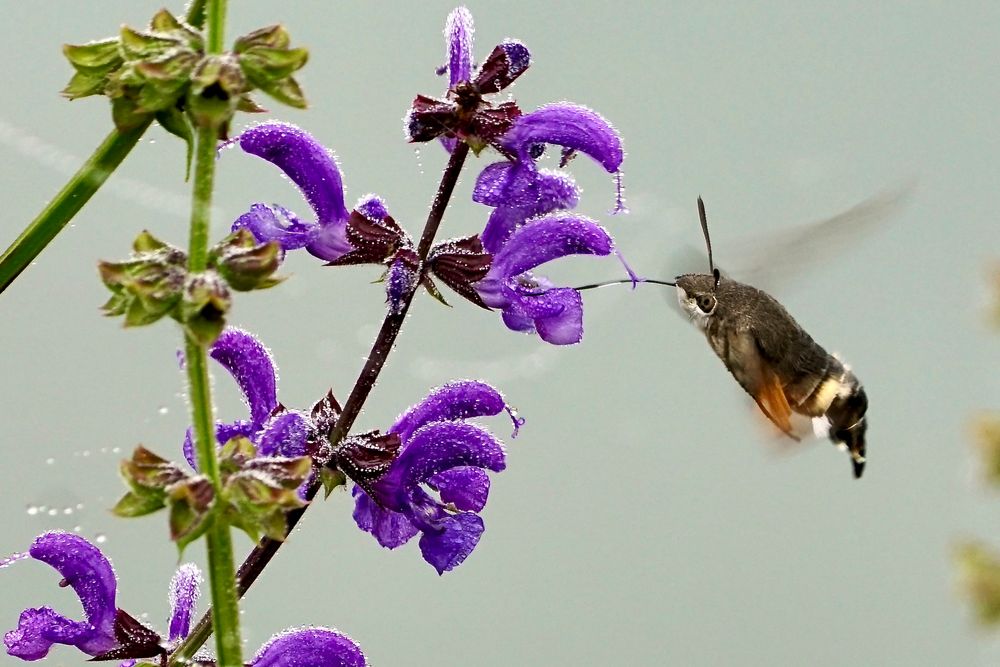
(100, 538)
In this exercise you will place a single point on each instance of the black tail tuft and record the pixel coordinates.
(848, 425)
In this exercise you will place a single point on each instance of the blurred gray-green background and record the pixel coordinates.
(646, 517)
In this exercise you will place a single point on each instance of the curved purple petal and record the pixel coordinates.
(330, 243)
(447, 548)
(465, 487)
(570, 125)
(548, 238)
(391, 529)
(310, 647)
(276, 223)
(458, 32)
(184, 592)
(88, 572)
(305, 161)
(461, 399)
(250, 364)
(224, 432)
(436, 447)
(285, 434)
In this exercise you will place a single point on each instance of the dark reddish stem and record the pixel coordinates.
(265, 551)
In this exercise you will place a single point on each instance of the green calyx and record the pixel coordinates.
(257, 492)
(155, 282)
(163, 71)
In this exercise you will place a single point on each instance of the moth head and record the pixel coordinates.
(696, 293)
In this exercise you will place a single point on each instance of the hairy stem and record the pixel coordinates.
(265, 551)
(218, 538)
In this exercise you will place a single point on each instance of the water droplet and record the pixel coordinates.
(79, 506)
(67, 510)
(85, 452)
(100, 538)
(116, 450)
(50, 461)
(32, 510)
(163, 410)
(52, 512)
(77, 529)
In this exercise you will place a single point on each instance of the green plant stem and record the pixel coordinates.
(262, 554)
(218, 538)
(67, 203)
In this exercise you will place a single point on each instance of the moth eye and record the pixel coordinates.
(706, 303)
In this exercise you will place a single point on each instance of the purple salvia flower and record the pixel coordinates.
(185, 589)
(313, 169)
(518, 190)
(464, 114)
(447, 454)
(530, 303)
(310, 647)
(89, 573)
(275, 430)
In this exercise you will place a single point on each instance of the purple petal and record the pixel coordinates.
(400, 280)
(458, 31)
(310, 647)
(520, 193)
(277, 223)
(305, 161)
(250, 364)
(88, 572)
(223, 433)
(516, 319)
(466, 488)
(184, 592)
(501, 224)
(570, 125)
(456, 400)
(548, 238)
(372, 207)
(391, 529)
(437, 447)
(285, 434)
(557, 314)
(446, 550)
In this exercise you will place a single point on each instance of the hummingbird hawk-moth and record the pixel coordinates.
(773, 358)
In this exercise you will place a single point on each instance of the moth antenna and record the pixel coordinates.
(623, 282)
(708, 239)
(708, 243)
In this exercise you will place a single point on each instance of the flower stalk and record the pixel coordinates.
(67, 203)
(262, 554)
(221, 565)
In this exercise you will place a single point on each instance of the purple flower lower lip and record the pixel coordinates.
(88, 572)
(530, 303)
(445, 453)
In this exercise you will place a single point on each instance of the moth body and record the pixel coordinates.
(776, 361)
